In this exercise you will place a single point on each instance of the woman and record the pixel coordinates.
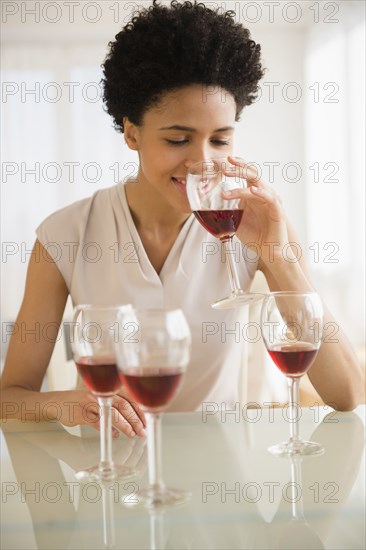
(176, 81)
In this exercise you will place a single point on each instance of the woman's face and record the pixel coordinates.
(188, 125)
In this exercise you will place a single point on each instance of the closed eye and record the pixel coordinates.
(218, 142)
(173, 142)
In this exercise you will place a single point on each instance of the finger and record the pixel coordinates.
(268, 199)
(91, 415)
(264, 195)
(238, 193)
(120, 424)
(126, 418)
(257, 197)
(135, 417)
(125, 395)
(115, 432)
(139, 412)
(247, 171)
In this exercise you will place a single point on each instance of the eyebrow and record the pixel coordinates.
(188, 129)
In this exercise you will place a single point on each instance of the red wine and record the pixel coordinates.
(293, 360)
(220, 223)
(152, 388)
(100, 374)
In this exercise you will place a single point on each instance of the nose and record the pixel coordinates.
(194, 160)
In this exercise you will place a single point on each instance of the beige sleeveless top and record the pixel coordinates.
(98, 251)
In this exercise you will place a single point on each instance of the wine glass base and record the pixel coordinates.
(300, 448)
(97, 474)
(159, 500)
(240, 298)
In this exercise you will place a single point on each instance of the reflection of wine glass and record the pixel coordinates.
(291, 324)
(298, 534)
(206, 181)
(93, 345)
(152, 359)
(109, 537)
(156, 531)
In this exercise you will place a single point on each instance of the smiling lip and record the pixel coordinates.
(180, 184)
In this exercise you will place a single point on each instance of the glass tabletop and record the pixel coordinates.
(243, 497)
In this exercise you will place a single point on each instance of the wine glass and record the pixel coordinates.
(206, 182)
(291, 325)
(153, 351)
(94, 332)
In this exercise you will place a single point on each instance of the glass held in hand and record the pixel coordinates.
(93, 344)
(292, 325)
(206, 183)
(153, 351)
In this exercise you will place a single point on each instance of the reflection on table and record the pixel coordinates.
(242, 496)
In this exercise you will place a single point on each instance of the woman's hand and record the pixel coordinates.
(263, 227)
(81, 407)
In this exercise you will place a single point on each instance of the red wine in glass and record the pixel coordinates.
(93, 346)
(152, 366)
(208, 184)
(220, 223)
(100, 374)
(292, 327)
(152, 388)
(293, 360)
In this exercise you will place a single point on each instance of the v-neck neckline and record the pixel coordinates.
(141, 252)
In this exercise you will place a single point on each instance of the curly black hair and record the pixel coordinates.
(166, 48)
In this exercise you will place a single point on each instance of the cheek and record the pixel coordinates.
(161, 159)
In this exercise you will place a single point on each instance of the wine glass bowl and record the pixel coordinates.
(206, 182)
(94, 332)
(152, 359)
(292, 325)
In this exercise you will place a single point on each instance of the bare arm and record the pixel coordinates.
(42, 308)
(29, 353)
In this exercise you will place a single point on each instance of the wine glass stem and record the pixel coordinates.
(105, 404)
(230, 263)
(294, 405)
(153, 421)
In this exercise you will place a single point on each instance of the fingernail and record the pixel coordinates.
(228, 193)
(143, 433)
(255, 189)
(132, 434)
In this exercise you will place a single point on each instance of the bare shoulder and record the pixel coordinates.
(43, 276)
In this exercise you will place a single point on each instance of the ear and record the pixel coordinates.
(131, 134)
